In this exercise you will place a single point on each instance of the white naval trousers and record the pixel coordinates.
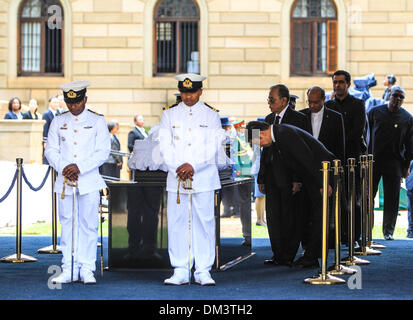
(202, 229)
(86, 230)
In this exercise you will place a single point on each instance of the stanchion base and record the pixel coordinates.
(368, 252)
(340, 270)
(13, 259)
(328, 279)
(376, 245)
(50, 250)
(355, 261)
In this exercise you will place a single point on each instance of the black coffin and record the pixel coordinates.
(138, 233)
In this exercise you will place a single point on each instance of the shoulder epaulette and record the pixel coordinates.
(170, 107)
(211, 107)
(59, 114)
(98, 114)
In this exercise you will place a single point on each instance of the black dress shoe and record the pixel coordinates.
(283, 263)
(304, 262)
(269, 261)
(227, 214)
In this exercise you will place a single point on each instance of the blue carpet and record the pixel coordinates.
(389, 276)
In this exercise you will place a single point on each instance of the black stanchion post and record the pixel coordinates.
(54, 248)
(19, 257)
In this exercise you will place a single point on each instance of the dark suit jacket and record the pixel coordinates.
(29, 116)
(301, 152)
(133, 135)
(48, 116)
(115, 145)
(11, 115)
(270, 156)
(290, 117)
(353, 112)
(331, 132)
(391, 139)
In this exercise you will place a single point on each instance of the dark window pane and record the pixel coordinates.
(313, 49)
(177, 37)
(314, 9)
(166, 45)
(53, 52)
(41, 48)
(189, 47)
(177, 9)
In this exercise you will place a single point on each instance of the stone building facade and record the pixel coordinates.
(244, 48)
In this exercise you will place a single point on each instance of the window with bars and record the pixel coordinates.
(313, 37)
(40, 43)
(176, 39)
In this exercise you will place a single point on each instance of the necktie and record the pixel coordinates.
(277, 120)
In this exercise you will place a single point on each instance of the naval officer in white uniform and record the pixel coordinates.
(190, 137)
(78, 144)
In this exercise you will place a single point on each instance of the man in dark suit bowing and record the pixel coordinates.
(137, 133)
(283, 195)
(303, 155)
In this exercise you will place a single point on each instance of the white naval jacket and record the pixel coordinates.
(192, 135)
(83, 140)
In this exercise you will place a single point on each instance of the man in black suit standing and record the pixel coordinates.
(137, 133)
(354, 116)
(282, 190)
(392, 146)
(48, 116)
(327, 127)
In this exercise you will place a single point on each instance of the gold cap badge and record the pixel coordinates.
(187, 83)
(71, 94)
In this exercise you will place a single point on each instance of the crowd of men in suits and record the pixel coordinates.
(336, 129)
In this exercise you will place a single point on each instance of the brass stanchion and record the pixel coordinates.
(19, 257)
(338, 268)
(54, 248)
(364, 249)
(324, 278)
(352, 260)
(370, 243)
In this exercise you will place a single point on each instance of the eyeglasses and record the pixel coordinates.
(270, 100)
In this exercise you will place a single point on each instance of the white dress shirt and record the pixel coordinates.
(281, 114)
(316, 121)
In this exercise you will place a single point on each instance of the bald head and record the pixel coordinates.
(139, 120)
(316, 97)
